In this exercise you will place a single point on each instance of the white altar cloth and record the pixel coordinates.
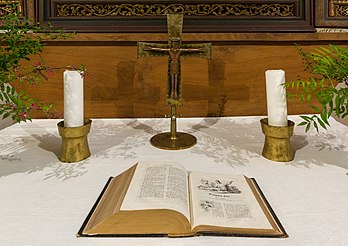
(44, 201)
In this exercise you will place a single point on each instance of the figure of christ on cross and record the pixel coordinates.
(174, 52)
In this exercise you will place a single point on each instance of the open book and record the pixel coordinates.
(164, 199)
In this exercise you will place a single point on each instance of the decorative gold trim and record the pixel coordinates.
(7, 8)
(159, 9)
(339, 1)
(9, 1)
(338, 8)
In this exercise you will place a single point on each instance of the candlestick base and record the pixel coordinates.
(165, 141)
(74, 142)
(277, 145)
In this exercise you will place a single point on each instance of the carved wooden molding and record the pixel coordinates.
(200, 15)
(6, 7)
(338, 8)
(331, 13)
(160, 9)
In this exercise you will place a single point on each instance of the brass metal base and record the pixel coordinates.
(277, 141)
(165, 141)
(74, 142)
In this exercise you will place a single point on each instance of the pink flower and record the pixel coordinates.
(49, 72)
(16, 69)
(23, 115)
(38, 65)
(33, 106)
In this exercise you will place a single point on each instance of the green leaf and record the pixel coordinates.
(308, 127)
(321, 123)
(324, 117)
(6, 115)
(306, 118)
(316, 126)
(315, 108)
(329, 113)
(303, 123)
(6, 97)
(325, 50)
(13, 99)
(25, 97)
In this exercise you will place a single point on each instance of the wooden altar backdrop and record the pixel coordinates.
(231, 83)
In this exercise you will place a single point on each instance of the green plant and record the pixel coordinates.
(22, 42)
(328, 67)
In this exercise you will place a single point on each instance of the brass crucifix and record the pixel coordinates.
(174, 140)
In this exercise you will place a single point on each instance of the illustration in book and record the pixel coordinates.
(219, 186)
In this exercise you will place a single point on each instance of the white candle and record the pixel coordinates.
(73, 99)
(276, 98)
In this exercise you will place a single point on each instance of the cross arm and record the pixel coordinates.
(143, 50)
(196, 50)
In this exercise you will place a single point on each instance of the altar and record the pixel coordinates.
(45, 201)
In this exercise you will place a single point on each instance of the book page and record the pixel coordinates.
(158, 185)
(225, 200)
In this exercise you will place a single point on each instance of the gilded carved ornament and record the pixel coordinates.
(338, 8)
(6, 7)
(159, 9)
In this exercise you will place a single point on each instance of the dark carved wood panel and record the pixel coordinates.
(338, 8)
(6, 7)
(200, 16)
(27, 8)
(331, 13)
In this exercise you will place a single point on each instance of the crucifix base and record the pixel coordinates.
(165, 141)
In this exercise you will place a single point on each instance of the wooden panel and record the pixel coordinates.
(331, 13)
(200, 16)
(27, 8)
(231, 83)
(6, 7)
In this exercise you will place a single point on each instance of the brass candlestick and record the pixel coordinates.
(277, 145)
(74, 142)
